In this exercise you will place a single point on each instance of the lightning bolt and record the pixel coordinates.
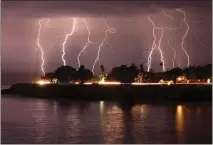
(86, 45)
(108, 30)
(144, 54)
(183, 38)
(192, 30)
(39, 45)
(170, 29)
(159, 48)
(167, 15)
(65, 41)
(154, 45)
(174, 56)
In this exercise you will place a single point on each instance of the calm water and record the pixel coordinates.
(43, 121)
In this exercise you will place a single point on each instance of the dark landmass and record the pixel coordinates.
(118, 93)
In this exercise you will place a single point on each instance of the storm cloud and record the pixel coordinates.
(94, 8)
(131, 43)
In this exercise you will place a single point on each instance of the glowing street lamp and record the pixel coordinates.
(43, 82)
(208, 81)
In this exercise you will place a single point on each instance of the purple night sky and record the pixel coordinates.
(131, 42)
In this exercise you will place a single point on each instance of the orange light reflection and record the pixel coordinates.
(180, 123)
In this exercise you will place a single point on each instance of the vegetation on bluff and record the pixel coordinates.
(128, 74)
(126, 93)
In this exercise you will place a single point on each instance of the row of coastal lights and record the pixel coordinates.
(180, 79)
(54, 81)
(102, 81)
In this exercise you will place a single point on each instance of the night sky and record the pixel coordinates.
(131, 42)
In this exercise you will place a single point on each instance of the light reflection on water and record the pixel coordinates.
(74, 125)
(113, 124)
(40, 120)
(43, 121)
(180, 123)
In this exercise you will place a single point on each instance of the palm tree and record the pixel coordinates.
(141, 68)
(102, 69)
(161, 64)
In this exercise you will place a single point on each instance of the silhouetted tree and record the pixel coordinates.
(50, 76)
(141, 68)
(124, 73)
(65, 74)
(82, 67)
(102, 69)
(208, 70)
(127, 74)
(84, 74)
(192, 76)
(173, 74)
(161, 64)
(133, 71)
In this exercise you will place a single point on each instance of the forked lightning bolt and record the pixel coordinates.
(154, 45)
(174, 56)
(86, 45)
(65, 41)
(39, 45)
(110, 30)
(167, 15)
(159, 48)
(170, 29)
(183, 38)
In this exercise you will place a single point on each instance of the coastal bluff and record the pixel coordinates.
(129, 93)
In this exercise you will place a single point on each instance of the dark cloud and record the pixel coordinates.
(93, 8)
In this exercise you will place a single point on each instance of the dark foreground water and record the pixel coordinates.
(43, 121)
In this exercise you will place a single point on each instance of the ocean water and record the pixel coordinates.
(47, 121)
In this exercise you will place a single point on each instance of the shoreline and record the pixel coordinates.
(115, 93)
